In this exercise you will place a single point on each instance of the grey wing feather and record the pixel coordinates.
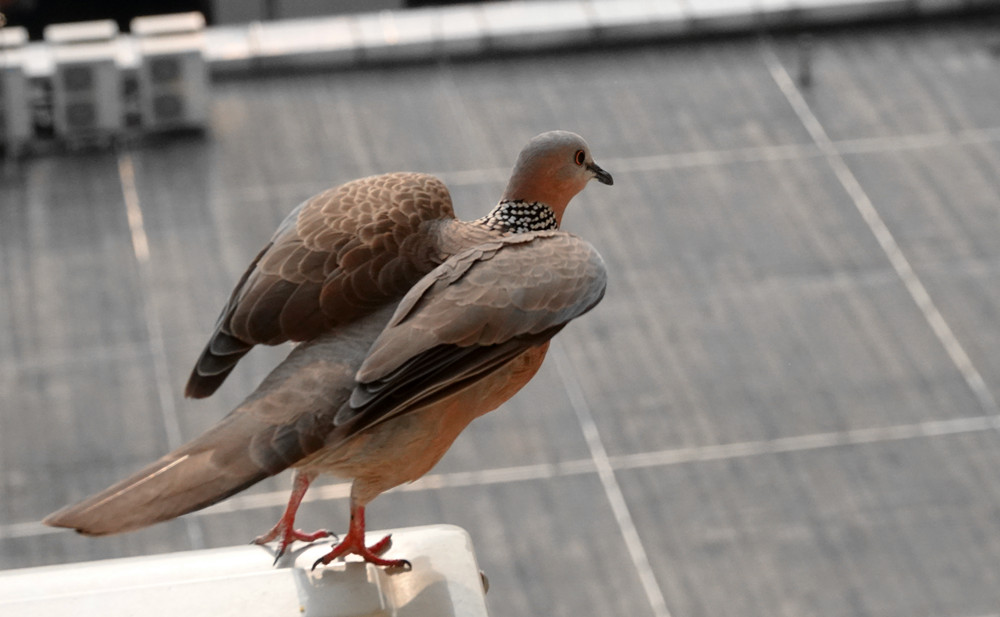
(287, 418)
(474, 312)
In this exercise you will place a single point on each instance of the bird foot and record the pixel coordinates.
(288, 535)
(355, 545)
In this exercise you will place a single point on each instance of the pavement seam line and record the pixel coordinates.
(612, 489)
(545, 471)
(911, 281)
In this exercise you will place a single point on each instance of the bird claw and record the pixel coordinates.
(369, 553)
(402, 565)
(288, 536)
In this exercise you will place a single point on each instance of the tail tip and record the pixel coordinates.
(58, 519)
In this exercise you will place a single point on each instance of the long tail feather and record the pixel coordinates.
(207, 470)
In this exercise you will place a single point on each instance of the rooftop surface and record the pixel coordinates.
(786, 405)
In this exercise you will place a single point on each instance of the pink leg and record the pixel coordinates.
(354, 544)
(285, 527)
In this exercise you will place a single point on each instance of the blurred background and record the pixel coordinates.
(786, 405)
(36, 14)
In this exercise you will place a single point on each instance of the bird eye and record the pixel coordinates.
(580, 157)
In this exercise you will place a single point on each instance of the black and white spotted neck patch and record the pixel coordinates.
(518, 217)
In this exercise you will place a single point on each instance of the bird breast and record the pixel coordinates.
(407, 446)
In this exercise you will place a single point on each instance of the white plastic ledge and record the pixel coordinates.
(444, 582)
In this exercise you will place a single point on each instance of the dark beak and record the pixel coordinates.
(602, 176)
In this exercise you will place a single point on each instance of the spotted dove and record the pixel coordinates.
(411, 324)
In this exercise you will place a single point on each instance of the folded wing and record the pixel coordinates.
(472, 314)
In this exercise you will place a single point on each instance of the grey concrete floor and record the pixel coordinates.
(785, 406)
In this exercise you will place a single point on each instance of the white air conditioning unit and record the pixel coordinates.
(86, 82)
(15, 106)
(173, 76)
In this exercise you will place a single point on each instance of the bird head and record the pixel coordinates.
(552, 168)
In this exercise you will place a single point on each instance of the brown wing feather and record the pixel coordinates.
(334, 259)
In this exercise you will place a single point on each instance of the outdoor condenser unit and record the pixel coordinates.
(86, 82)
(15, 106)
(173, 76)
